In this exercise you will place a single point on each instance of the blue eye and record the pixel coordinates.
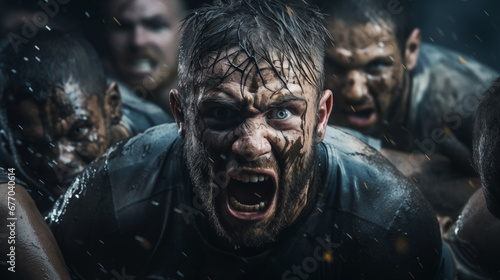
(279, 113)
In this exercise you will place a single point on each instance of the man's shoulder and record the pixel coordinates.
(135, 165)
(366, 185)
(140, 114)
(378, 215)
(449, 75)
(352, 158)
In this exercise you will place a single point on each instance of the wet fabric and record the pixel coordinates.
(446, 89)
(133, 214)
(140, 114)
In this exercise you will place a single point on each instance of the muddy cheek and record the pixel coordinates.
(382, 88)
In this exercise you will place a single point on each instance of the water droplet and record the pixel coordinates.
(14, 71)
(48, 28)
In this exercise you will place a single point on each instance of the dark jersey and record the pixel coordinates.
(445, 92)
(140, 114)
(133, 213)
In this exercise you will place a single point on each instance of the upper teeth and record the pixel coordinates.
(245, 178)
(143, 64)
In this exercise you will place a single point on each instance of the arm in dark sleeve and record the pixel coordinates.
(83, 222)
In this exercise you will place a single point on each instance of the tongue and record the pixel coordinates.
(250, 193)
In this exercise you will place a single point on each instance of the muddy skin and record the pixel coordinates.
(58, 138)
(365, 68)
(37, 253)
(269, 129)
(143, 42)
(474, 241)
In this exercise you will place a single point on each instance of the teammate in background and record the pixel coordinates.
(417, 99)
(143, 41)
(57, 112)
(250, 183)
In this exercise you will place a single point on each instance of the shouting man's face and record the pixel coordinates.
(250, 143)
(368, 73)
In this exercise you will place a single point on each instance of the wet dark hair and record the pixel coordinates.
(396, 13)
(49, 60)
(486, 146)
(294, 30)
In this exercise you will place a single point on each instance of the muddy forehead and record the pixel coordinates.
(361, 40)
(237, 69)
(138, 9)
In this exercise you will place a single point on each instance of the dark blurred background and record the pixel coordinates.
(468, 26)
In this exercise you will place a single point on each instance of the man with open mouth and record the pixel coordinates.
(249, 183)
(388, 84)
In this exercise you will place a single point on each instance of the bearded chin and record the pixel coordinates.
(254, 234)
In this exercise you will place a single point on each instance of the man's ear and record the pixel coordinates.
(412, 49)
(324, 111)
(177, 112)
(113, 103)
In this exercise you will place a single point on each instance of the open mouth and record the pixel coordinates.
(144, 64)
(250, 196)
(141, 66)
(363, 117)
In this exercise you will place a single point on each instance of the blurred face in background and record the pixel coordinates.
(368, 71)
(143, 39)
(58, 137)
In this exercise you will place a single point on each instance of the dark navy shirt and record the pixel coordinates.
(132, 214)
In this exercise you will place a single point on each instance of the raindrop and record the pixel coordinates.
(26, 59)
(13, 71)
(20, 128)
(155, 203)
(30, 89)
(48, 28)
(37, 48)
(37, 58)
(87, 14)
(77, 196)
